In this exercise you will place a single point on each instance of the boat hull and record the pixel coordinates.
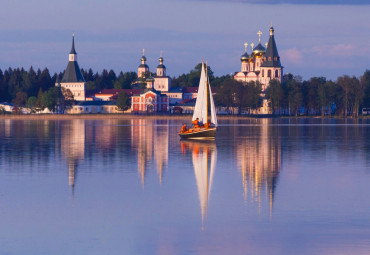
(208, 133)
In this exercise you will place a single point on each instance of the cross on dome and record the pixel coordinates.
(245, 46)
(259, 35)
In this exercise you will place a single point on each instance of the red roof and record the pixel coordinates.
(112, 92)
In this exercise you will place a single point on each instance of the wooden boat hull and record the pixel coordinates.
(203, 133)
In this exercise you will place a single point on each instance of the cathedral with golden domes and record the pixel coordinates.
(262, 64)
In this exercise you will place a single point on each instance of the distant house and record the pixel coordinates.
(94, 107)
(189, 93)
(109, 94)
(187, 106)
(175, 95)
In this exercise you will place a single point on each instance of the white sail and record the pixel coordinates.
(200, 110)
(213, 108)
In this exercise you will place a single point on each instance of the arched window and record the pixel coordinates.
(263, 73)
(269, 73)
(276, 73)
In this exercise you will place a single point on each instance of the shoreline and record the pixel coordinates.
(159, 117)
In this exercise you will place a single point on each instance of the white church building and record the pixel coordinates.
(73, 79)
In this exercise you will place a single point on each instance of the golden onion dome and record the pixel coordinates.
(259, 49)
(244, 57)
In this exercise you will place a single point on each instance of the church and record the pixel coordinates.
(162, 82)
(156, 97)
(262, 64)
(73, 78)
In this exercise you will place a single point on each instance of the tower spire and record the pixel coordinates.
(73, 51)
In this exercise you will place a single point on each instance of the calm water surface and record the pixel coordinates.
(264, 186)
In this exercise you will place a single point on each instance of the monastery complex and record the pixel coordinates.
(261, 65)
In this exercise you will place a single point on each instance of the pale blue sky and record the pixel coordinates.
(313, 40)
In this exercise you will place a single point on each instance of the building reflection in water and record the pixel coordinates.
(73, 147)
(259, 160)
(204, 156)
(149, 141)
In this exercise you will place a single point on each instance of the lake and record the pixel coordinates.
(264, 186)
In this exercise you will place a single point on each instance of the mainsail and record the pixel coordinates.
(201, 105)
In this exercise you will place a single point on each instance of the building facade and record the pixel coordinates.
(150, 100)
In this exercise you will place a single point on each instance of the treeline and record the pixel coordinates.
(318, 96)
(192, 78)
(18, 85)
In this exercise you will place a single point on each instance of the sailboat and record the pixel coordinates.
(204, 103)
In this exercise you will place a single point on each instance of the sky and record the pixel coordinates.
(314, 38)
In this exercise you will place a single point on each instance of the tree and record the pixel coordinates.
(353, 94)
(292, 88)
(253, 98)
(67, 97)
(32, 103)
(49, 98)
(20, 99)
(123, 101)
(124, 80)
(224, 95)
(365, 82)
(274, 93)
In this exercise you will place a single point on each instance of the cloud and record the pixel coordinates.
(336, 50)
(297, 2)
(293, 56)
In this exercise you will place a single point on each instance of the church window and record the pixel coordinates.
(269, 73)
(269, 58)
(263, 73)
(276, 73)
(275, 58)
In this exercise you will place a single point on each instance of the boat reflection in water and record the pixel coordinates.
(259, 160)
(204, 156)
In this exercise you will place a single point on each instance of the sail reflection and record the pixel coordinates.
(259, 160)
(204, 157)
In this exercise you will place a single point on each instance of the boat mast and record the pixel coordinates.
(206, 93)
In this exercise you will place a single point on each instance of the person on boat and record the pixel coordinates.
(196, 123)
(184, 128)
